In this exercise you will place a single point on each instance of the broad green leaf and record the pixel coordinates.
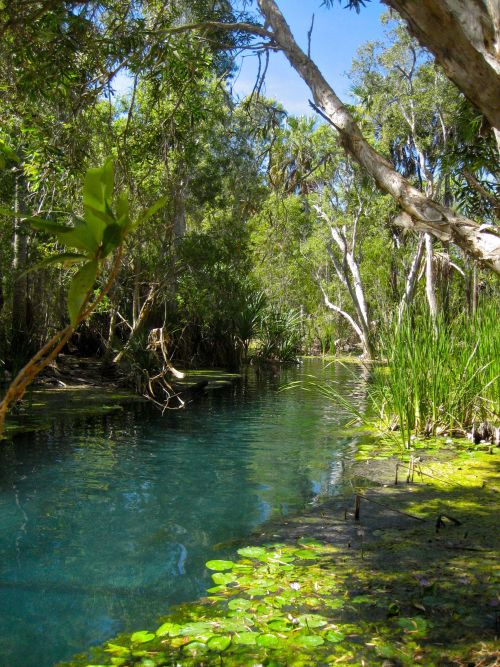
(146, 215)
(245, 638)
(219, 565)
(171, 629)
(79, 236)
(279, 625)
(81, 284)
(113, 236)
(267, 640)
(116, 649)
(195, 628)
(98, 186)
(122, 209)
(65, 258)
(312, 620)
(97, 222)
(334, 637)
(193, 648)
(221, 578)
(253, 552)
(216, 589)
(307, 541)
(141, 637)
(308, 640)
(239, 603)
(219, 643)
(306, 554)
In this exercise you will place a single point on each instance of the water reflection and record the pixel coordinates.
(107, 522)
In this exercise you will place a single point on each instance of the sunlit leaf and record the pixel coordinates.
(308, 640)
(171, 629)
(219, 565)
(141, 637)
(219, 643)
(267, 640)
(253, 552)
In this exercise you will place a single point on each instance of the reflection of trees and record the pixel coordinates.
(301, 437)
(116, 518)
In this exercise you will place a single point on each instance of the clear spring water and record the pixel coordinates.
(107, 521)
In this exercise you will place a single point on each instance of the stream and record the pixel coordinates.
(107, 521)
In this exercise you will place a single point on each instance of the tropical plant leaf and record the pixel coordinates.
(80, 286)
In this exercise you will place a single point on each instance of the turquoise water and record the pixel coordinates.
(107, 521)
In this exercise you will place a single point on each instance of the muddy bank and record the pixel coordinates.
(79, 387)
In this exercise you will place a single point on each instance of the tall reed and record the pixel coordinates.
(440, 376)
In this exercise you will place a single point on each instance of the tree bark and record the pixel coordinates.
(421, 213)
(18, 345)
(412, 279)
(138, 322)
(350, 277)
(430, 287)
(464, 36)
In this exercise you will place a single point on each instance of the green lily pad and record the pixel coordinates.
(253, 552)
(245, 638)
(268, 640)
(141, 637)
(219, 643)
(308, 640)
(219, 565)
(171, 629)
(239, 603)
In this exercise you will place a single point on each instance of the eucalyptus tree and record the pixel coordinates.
(413, 109)
(419, 212)
(464, 37)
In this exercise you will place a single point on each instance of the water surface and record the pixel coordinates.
(107, 521)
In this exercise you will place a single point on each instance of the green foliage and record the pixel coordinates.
(101, 231)
(280, 335)
(439, 376)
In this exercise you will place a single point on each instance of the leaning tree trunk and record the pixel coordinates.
(421, 213)
(464, 36)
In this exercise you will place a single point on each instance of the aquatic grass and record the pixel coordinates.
(441, 376)
(436, 378)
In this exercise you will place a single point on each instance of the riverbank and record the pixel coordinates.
(78, 388)
(412, 580)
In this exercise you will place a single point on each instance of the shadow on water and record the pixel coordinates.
(426, 550)
(108, 520)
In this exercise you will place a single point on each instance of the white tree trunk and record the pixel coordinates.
(464, 36)
(412, 279)
(430, 287)
(421, 213)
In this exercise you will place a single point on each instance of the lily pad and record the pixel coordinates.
(141, 637)
(219, 565)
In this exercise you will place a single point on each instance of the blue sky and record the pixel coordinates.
(337, 35)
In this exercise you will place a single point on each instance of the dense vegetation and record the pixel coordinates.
(265, 239)
(152, 220)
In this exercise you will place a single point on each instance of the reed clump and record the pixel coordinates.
(441, 377)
